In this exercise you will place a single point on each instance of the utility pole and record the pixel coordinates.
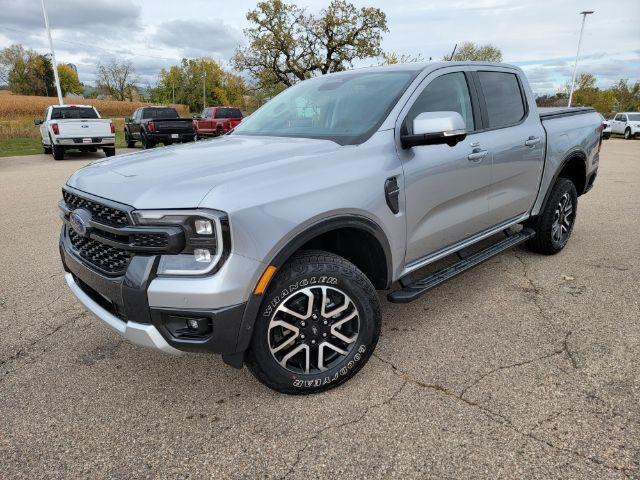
(575, 65)
(53, 54)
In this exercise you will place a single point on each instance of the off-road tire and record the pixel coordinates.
(311, 270)
(58, 152)
(544, 241)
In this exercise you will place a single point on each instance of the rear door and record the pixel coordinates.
(515, 136)
(446, 188)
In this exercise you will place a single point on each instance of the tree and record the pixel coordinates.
(627, 96)
(25, 71)
(117, 79)
(69, 82)
(392, 58)
(287, 45)
(187, 80)
(470, 51)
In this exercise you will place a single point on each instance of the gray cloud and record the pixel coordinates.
(199, 38)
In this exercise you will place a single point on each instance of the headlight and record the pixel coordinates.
(206, 234)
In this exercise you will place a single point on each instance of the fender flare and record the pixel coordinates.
(280, 258)
(574, 153)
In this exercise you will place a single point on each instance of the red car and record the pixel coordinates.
(216, 121)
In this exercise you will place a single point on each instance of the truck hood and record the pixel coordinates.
(180, 176)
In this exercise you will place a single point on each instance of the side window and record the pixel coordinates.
(502, 95)
(448, 93)
(623, 118)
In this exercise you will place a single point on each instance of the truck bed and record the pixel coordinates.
(547, 113)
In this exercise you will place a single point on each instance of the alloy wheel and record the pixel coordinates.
(562, 219)
(313, 330)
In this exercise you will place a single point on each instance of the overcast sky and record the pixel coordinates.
(540, 36)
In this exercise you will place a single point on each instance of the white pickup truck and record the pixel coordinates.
(66, 127)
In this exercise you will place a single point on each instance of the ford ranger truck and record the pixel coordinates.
(267, 245)
(75, 127)
(153, 125)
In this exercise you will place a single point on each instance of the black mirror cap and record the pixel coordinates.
(410, 141)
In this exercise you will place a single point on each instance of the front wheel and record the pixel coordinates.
(627, 134)
(318, 325)
(554, 225)
(130, 142)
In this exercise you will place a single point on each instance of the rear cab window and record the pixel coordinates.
(228, 113)
(503, 98)
(73, 113)
(160, 113)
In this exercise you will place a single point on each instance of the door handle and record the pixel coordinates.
(477, 155)
(531, 141)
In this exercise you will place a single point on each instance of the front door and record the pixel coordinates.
(446, 188)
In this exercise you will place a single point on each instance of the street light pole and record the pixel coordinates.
(204, 92)
(53, 54)
(575, 65)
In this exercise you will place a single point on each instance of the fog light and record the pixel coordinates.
(192, 323)
(204, 227)
(202, 255)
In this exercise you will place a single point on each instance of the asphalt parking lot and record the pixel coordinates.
(525, 367)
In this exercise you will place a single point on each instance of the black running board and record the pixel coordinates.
(415, 289)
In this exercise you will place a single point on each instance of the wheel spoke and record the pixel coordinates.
(335, 311)
(294, 352)
(555, 230)
(310, 297)
(340, 335)
(321, 348)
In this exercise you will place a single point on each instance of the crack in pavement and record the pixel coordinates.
(353, 421)
(496, 416)
(22, 352)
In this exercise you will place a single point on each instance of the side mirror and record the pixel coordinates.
(37, 122)
(433, 128)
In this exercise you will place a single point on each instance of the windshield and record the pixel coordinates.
(345, 108)
(74, 113)
(634, 117)
(160, 113)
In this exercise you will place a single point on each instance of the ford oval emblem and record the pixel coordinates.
(79, 221)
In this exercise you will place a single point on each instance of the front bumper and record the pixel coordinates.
(122, 303)
(141, 334)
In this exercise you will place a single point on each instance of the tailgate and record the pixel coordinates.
(173, 126)
(234, 122)
(84, 128)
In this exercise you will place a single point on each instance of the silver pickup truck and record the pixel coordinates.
(267, 245)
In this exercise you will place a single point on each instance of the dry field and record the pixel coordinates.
(18, 111)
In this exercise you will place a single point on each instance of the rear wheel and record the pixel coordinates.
(130, 142)
(109, 152)
(46, 149)
(318, 325)
(554, 225)
(146, 141)
(58, 152)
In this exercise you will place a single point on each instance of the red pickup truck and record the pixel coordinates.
(215, 121)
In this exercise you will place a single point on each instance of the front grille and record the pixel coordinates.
(159, 240)
(109, 259)
(100, 212)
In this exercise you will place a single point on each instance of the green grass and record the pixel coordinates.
(14, 147)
